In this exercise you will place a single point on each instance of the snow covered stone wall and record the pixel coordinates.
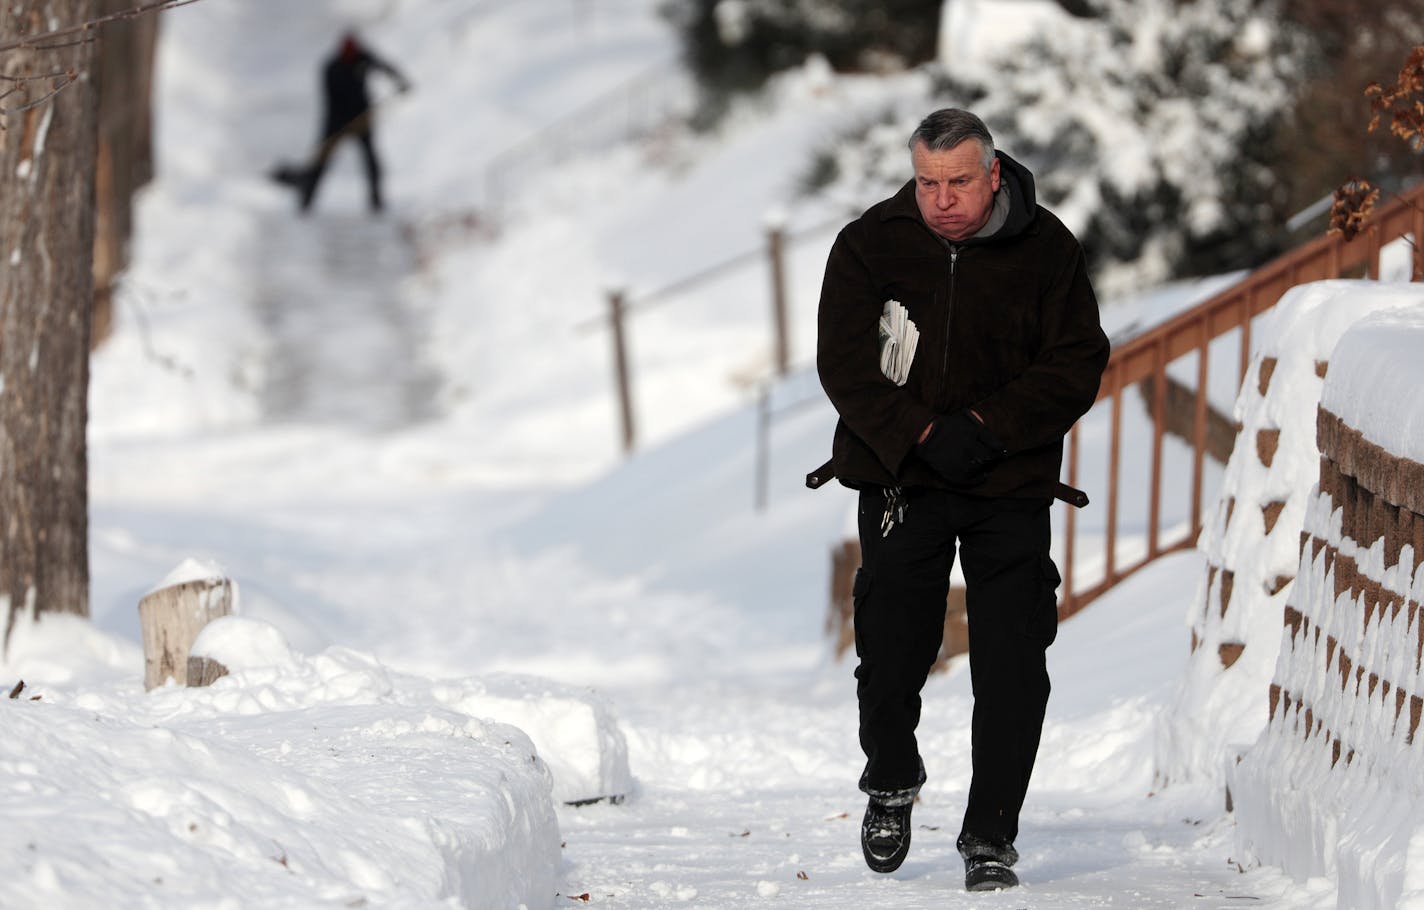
(1335, 784)
(1252, 538)
(295, 781)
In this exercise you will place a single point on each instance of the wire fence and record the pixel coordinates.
(778, 243)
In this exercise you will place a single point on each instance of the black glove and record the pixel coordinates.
(960, 448)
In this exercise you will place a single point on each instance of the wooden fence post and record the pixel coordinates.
(171, 618)
(775, 247)
(620, 367)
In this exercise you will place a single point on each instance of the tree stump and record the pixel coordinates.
(171, 618)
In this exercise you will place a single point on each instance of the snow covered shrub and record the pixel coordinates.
(1148, 123)
(736, 45)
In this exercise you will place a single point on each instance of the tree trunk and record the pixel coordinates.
(124, 71)
(46, 288)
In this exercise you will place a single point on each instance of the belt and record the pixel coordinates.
(1061, 491)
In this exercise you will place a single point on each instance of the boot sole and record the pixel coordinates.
(890, 863)
(999, 878)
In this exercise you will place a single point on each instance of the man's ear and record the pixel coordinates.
(994, 175)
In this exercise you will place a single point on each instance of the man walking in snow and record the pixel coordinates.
(348, 113)
(958, 340)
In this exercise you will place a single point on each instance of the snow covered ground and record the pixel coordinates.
(398, 441)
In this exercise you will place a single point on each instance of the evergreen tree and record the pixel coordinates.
(734, 46)
(1150, 126)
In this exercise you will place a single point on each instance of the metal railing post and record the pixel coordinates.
(763, 446)
(775, 250)
(620, 368)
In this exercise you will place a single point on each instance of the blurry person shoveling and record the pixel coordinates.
(348, 113)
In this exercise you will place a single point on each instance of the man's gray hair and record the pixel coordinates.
(946, 128)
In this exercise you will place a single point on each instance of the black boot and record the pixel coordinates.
(885, 831)
(987, 864)
(885, 834)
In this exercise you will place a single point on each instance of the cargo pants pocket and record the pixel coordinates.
(1041, 622)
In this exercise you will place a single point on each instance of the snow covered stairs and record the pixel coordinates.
(1335, 785)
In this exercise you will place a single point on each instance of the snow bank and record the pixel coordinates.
(191, 570)
(1335, 784)
(574, 730)
(1252, 537)
(295, 781)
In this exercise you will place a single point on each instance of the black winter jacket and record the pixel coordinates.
(1008, 325)
(344, 84)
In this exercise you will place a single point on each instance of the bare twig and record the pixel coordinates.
(29, 105)
(62, 38)
(32, 41)
(136, 298)
(23, 79)
(61, 45)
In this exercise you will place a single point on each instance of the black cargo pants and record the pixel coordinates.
(900, 594)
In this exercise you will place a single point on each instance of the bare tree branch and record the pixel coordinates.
(61, 45)
(57, 74)
(43, 98)
(32, 41)
(50, 41)
(69, 80)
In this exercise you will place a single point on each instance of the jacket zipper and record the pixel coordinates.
(948, 318)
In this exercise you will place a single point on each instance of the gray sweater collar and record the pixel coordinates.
(998, 216)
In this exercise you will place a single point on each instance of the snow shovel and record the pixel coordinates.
(297, 175)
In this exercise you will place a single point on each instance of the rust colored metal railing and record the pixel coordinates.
(1147, 356)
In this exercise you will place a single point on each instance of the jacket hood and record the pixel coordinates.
(1015, 181)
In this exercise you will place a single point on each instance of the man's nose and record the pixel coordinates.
(944, 197)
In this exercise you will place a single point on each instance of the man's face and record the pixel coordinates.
(954, 192)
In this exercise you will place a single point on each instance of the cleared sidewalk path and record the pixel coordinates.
(346, 349)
